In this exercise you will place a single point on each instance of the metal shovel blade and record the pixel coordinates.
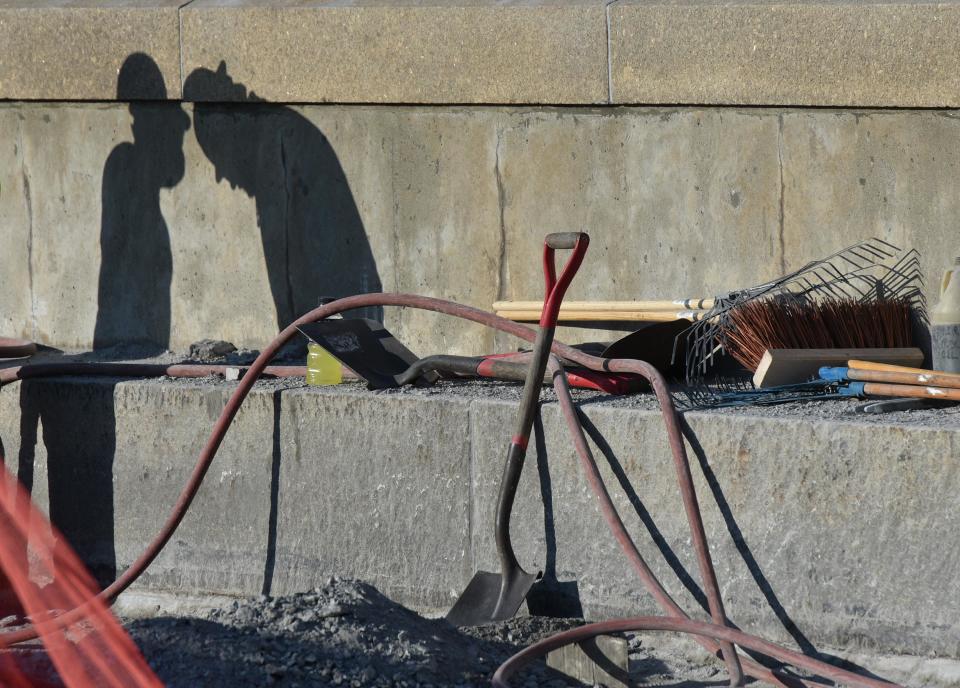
(491, 597)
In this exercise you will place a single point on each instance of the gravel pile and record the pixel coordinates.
(348, 634)
(344, 634)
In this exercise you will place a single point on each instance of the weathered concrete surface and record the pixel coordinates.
(375, 51)
(573, 52)
(143, 230)
(16, 311)
(825, 533)
(869, 174)
(677, 205)
(899, 54)
(109, 477)
(72, 50)
(355, 497)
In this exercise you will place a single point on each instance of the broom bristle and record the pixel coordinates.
(832, 323)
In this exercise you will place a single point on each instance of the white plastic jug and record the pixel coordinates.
(945, 323)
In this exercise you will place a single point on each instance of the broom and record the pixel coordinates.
(862, 298)
(786, 340)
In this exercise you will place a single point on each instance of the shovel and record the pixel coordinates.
(497, 596)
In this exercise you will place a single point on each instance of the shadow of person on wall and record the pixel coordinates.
(136, 267)
(314, 242)
(78, 430)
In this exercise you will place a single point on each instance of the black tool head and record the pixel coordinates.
(654, 343)
(365, 346)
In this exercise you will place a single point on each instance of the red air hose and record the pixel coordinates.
(712, 636)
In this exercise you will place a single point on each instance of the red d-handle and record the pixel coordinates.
(578, 241)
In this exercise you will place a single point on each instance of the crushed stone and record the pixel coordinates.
(346, 633)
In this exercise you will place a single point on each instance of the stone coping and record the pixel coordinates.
(549, 52)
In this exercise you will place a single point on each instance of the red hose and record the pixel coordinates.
(713, 636)
(16, 348)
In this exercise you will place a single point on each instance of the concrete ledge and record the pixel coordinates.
(897, 54)
(825, 532)
(576, 52)
(69, 50)
(402, 52)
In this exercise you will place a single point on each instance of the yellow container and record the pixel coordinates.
(322, 367)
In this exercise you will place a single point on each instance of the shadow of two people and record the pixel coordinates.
(314, 242)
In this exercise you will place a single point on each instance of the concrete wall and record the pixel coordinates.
(827, 533)
(122, 224)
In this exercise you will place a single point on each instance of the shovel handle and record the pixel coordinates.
(561, 240)
(556, 288)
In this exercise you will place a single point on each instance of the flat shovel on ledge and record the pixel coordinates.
(490, 596)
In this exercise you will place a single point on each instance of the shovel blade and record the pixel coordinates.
(490, 597)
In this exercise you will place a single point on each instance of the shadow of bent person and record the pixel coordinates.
(314, 241)
(136, 268)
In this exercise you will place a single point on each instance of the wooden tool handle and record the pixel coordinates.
(928, 378)
(661, 305)
(597, 316)
(873, 365)
(879, 389)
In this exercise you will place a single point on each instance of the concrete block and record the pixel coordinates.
(364, 494)
(102, 261)
(16, 288)
(64, 50)
(447, 237)
(783, 53)
(64, 165)
(109, 477)
(810, 525)
(678, 203)
(382, 52)
(862, 174)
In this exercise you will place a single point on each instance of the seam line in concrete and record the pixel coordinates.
(501, 203)
(780, 230)
(606, 18)
(180, 41)
(471, 472)
(25, 175)
(288, 280)
(394, 232)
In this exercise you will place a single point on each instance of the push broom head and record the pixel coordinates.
(864, 296)
(790, 322)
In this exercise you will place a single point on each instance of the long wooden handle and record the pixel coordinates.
(874, 365)
(596, 316)
(926, 378)
(655, 305)
(879, 389)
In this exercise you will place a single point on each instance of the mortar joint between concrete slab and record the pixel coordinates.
(287, 203)
(28, 199)
(780, 230)
(606, 18)
(501, 203)
(180, 40)
(471, 488)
